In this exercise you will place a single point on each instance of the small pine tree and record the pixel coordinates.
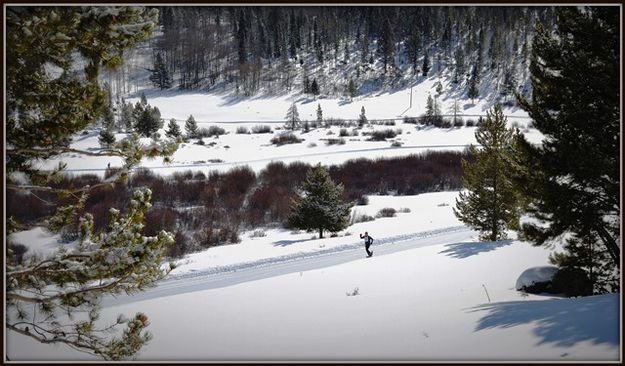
(492, 204)
(107, 138)
(314, 88)
(426, 65)
(319, 115)
(190, 127)
(351, 89)
(473, 92)
(173, 130)
(148, 119)
(306, 85)
(320, 207)
(362, 119)
(160, 75)
(127, 118)
(292, 117)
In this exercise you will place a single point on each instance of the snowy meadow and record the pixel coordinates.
(431, 292)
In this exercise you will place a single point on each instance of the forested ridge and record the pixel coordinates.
(280, 49)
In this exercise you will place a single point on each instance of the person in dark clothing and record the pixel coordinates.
(368, 242)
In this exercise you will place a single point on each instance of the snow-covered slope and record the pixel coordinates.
(431, 292)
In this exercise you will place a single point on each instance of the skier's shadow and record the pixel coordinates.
(465, 250)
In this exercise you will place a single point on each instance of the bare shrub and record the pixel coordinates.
(284, 139)
(386, 212)
(261, 129)
(242, 130)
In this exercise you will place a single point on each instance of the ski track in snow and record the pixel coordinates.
(228, 275)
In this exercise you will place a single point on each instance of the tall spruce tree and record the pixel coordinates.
(572, 178)
(56, 299)
(427, 65)
(319, 115)
(147, 119)
(292, 117)
(351, 89)
(160, 75)
(474, 91)
(320, 206)
(173, 130)
(491, 204)
(362, 119)
(190, 127)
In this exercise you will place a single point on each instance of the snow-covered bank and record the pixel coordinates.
(422, 304)
(431, 292)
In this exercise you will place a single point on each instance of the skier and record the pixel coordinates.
(368, 242)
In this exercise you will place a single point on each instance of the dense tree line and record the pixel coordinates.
(276, 48)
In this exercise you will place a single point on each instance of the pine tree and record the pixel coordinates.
(491, 204)
(190, 128)
(362, 119)
(292, 117)
(314, 88)
(147, 118)
(56, 299)
(572, 179)
(160, 75)
(319, 115)
(426, 64)
(351, 88)
(107, 138)
(320, 207)
(173, 130)
(459, 69)
(473, 91)
(306, 84)
(387, 44)
(127, 118)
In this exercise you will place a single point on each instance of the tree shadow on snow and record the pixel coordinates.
(465, 250)
(286, 243)
(563, 322)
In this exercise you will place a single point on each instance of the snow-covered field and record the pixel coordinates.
(431, 292)
(256, 150)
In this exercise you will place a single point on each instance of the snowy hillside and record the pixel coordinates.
(431, 292)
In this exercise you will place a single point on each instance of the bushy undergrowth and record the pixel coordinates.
(284, 139)
(207, 210)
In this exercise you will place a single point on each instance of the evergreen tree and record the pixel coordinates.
(148, 119)
(473, 91)
(190, 128)
(362, 119)
(320, 207)
(491, 204)
(351, 89)
(459, 69)
(107, 138)
(572, 179)
(127, 118)
(314, 88)
(386, 44)
(173, 130)
(319, 115)
(306, 84)
(292, 117)
(509, 82)
(160, 75)
(426, 64)
(56, 299)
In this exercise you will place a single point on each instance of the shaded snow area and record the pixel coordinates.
(431, 292)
